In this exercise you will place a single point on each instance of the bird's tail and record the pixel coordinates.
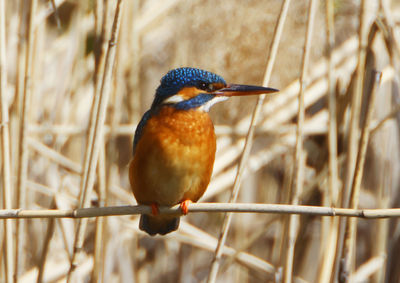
(158, 224)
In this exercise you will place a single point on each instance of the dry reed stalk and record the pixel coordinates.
(46, 246)
(7, 241)
(45, 190)
(88, 178)
(299, 156)
(363, 273)
(102, 30)
(153, 15)
(375, 127)
(257, 160)
(249, 141)
(22, 174)
(108, 171)
(332, 125)
(201, 207)
(54, 156)
(134, 100)
(189, 235)
(359, 169)
(330, 227)
(352, 148)
(198, 238)
(69, 130)
(94, 110)
(56, 271)
(380, 244)
(251, 241)
(19, 87)
(98, 260)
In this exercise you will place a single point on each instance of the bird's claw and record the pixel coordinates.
(185, 206)
(154, 209)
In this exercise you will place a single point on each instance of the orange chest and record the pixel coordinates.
(180, 130)
(174, 157)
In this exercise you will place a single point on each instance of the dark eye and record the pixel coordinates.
(203, 85)
(206, 86)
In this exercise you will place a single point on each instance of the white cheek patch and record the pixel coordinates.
(173, 99)
(206, 106)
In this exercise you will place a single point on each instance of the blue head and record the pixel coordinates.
(186, 88)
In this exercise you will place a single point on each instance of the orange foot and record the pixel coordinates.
(154, 209)
(184, 206)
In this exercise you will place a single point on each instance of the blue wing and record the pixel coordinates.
(139, 129)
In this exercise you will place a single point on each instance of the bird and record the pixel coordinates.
(174, 143)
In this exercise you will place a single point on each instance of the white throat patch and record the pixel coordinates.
(206, 106)
(173, 99)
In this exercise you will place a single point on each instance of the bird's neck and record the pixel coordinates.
(190, 124)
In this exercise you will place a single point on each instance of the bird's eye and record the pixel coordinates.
(206, 86)
(203, 85)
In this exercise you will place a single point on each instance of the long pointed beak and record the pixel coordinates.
(242, 90)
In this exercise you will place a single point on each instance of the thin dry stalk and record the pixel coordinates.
(330, 227)
(153, 15)
(19, 87)
(198, 238)
(97, 271)
(356, 187)
(98, 79)
(370, 267)
(98, 134)
(249, 141)
(388, 117)
(5, 148)
(108, 170)
(54, 156)
(46, 246)
(332, 126)
(23, 135)
(201, 207)
(298, 170)
(134, 43)
(352, 146)
(380, 243)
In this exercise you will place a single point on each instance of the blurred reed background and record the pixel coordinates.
(53, 62)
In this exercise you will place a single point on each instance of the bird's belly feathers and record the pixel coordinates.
(174, 157)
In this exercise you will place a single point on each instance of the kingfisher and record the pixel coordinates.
(174, 144)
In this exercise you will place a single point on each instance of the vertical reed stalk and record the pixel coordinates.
(23, 138)
(249, 141)
(356, 186)
(299, 155)
(330, 226)
(97, 135)
(5, 149)
(352, 148)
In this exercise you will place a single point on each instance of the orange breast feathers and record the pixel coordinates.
(174, 157)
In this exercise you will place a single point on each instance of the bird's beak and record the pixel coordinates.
(241, 90)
